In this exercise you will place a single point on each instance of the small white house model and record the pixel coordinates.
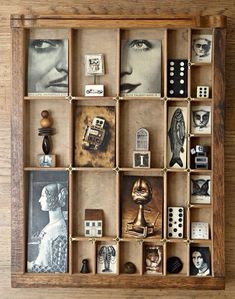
(93, 223)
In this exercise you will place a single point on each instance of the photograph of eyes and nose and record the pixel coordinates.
(201, 48)
(140, 68)
(48, 67)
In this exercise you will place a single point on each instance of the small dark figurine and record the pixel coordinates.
(129, 268)
(84, 268)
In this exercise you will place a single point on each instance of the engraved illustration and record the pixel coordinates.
(107, 259)
(201, 119)
(176, 135)
(47, 232)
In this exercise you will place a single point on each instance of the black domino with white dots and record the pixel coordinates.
(177, 78)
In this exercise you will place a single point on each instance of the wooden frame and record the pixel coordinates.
(26, 108)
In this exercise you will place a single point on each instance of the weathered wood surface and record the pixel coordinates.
(161, 7)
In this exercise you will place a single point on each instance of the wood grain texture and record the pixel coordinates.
(165, 7)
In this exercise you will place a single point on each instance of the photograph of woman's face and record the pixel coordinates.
(48, 66)
(141, 67)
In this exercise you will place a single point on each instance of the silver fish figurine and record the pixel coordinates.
(176, 134)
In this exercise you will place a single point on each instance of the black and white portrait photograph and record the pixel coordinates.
(177, 144)
(141, 67)
(200, 189)
(47, 221)
(201, 120)
(48, 67)
(107, 259)
(200, 263)
(201, 48)
(94, 65)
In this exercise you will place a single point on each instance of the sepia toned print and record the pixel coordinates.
(141, 205)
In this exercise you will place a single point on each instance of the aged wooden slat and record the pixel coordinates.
(218, 152)
(17, 157)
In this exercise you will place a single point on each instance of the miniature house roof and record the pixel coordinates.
(93, 214)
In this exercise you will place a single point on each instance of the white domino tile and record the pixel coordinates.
(175, 222)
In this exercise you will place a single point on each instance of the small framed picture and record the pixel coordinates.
(141, 159)
(200, 264)
(106, 259)
(95, 90)
(200, 189)
(94, 65)
(201, 48)
(153, 259)
(201, 119)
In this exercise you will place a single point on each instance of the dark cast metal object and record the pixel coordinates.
(85, 268)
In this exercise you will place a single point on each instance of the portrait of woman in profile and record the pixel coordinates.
(141, 67)
(52, 239)
(48, 66)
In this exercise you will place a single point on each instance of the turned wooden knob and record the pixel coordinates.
(45, 121)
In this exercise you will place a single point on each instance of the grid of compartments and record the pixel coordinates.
(104, 180)
(111, 228)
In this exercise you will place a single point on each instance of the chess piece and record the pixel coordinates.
(84, 268)
(46, 131)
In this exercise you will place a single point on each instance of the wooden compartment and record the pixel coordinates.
(201, 75)
(137, 114)
(83, 250)
(95, 41)
(95, 190)
(130, 204)
(179, 250)
(130, 251)
(179, 37)
(204, 141)
(60, 140)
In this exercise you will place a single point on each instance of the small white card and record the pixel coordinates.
(94, 90)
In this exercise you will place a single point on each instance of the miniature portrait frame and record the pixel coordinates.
(201, 119)
(94, 64)
(201, 48)
(200, 189)
(153, 259)
(203, 266)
